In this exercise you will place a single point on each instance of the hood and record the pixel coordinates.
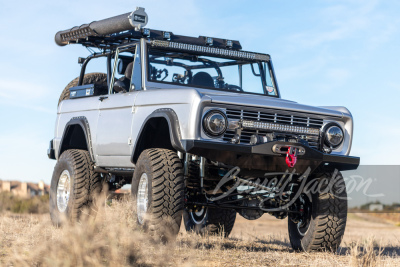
(266, 102)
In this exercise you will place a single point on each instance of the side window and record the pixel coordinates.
(166, 69)
(97, 65)
(94, 81)
(127, 74)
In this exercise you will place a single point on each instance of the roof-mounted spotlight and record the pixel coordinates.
(229, 43)
(167, 35)
(209, 41)
(146, 32)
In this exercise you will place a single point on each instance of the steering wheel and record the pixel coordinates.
(233, 87)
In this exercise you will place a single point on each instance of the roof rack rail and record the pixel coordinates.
(108, 33)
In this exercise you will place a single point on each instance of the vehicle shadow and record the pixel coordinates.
(277, 245)
(258, 245)
(383, 251)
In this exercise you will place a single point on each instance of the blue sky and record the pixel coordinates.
(324, 52)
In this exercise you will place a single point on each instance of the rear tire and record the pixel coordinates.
(158, 191)
(97, 78)
(74, 187)
(218, 222)
(212, 221)
(206, 221)
(326, 224)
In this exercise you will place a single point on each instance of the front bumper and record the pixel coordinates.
(262, 157)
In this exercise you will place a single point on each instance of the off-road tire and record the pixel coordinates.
(220, 221)
(85, 186)
(97, 78)
(212, 221)
(216, 222)
(328, 218)
(165, 191)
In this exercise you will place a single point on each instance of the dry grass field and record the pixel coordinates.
(114, 240)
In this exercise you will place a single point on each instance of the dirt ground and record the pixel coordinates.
(114, 240)
(360, 226)
(362, 230)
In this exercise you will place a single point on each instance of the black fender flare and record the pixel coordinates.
(174, 130)
(84, 124)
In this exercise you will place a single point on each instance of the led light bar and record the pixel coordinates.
(259, 125)
(209, 50)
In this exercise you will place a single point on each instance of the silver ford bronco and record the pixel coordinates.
(197, 126)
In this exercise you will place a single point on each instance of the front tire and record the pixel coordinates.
(74, 187)
(158, 191)
(324, 227)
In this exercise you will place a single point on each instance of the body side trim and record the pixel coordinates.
(174, 129)
(84, 124)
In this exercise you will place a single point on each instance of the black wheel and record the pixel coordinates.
(158, 191)
(205, 220)
(322, 225)
(98, 78)
(74, 187)
(210, 221)
(195, 220)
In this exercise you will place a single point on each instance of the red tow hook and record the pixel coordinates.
(291, 157)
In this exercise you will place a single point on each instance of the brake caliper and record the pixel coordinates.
(291, 157)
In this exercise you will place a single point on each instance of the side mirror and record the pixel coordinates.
(120, 87)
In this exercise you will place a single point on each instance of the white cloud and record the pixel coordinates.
(355, 19)
(340, 75)
(14, 89)
(24, 157)
(23, 94)
(305, 68)
(394, 85)
(334, 79)
(376, 142)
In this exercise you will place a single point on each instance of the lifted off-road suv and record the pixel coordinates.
(198, 128)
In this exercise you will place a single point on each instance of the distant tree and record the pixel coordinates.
(36, 204)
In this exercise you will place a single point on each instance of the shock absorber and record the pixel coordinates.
(202, 173)
(192, 172)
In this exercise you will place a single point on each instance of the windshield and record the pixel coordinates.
(218, 73)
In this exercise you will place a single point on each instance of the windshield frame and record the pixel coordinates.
(152, 84)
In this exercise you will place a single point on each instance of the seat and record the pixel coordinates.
(203, 79)
(128, 71)
(123, 83)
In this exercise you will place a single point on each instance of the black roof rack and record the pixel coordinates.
(113, 40)
(108, 33)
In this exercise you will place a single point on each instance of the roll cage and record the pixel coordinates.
(109, 45)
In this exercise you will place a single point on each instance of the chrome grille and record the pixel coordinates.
(272, 116)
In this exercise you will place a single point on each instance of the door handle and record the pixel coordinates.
(101, 98)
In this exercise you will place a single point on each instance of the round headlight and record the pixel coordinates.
(215, 123)
(334, 136)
